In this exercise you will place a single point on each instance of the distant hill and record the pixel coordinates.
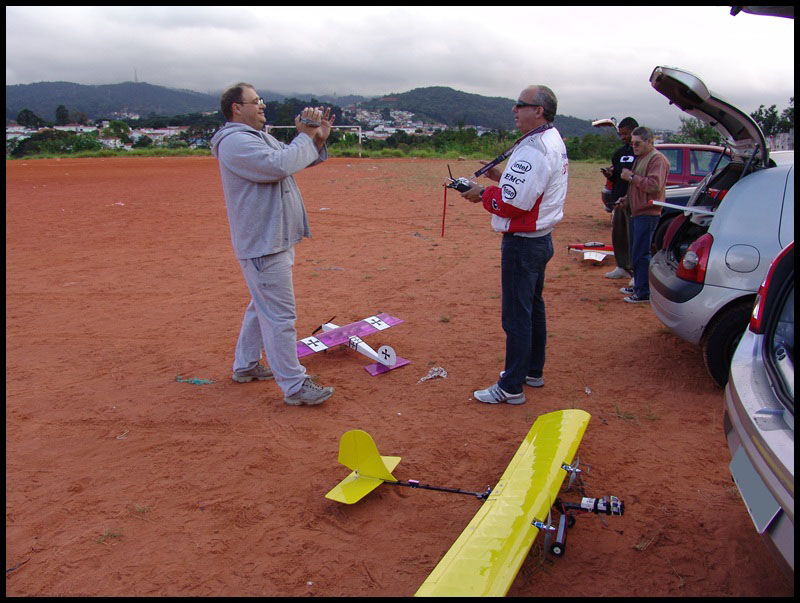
(452, 107)
(436, 103)
(101, 101)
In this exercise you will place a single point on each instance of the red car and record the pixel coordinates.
(688, 165)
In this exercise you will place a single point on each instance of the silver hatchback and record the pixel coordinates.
(759, 411)
(714, 255)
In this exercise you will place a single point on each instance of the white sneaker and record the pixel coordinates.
(618, 273)
(494, 394)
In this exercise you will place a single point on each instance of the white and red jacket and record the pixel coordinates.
(533, 188)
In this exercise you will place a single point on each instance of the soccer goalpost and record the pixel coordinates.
(357, 128)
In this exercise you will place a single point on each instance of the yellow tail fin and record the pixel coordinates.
(357, 451)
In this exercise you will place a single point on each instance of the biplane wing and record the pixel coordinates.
(350, 335)
(592, 250)
(486, 557)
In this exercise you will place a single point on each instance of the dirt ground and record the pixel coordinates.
(122, 480)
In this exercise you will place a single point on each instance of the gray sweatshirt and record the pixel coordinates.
(265, 209)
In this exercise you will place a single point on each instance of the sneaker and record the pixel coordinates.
(309, 394)
(626, 290)
(618, 273)
(494, 395)
(259, 371)
(635, 299)
(532, 381)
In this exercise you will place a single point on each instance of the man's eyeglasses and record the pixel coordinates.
(519, 104)
(255, 101)
(636, 143)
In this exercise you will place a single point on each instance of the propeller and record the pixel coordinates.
(315, 331)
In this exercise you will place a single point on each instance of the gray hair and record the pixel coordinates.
(646, 134)
(547, 99)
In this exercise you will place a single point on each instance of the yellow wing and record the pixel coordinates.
(485, 558)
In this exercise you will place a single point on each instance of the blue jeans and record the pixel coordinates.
(641, 232)
(523, 260)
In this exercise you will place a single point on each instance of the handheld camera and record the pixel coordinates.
(460, 184)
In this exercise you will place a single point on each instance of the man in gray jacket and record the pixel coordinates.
(267, 218)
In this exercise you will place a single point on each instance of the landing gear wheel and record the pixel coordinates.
(558, 549)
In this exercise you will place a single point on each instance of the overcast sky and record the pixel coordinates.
(596, 59)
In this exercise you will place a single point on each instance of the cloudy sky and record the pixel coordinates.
(596, 59)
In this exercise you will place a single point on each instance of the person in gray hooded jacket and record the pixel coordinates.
(267, 218)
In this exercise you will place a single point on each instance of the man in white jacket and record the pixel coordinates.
(525, 207)
(267, 218)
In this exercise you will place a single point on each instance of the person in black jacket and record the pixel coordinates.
(622, 159)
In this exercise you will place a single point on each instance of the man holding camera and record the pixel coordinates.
(525, 207)
(267, 218)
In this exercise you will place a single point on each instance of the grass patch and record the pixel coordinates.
(623, 414)
(108, 535)
(644, 542)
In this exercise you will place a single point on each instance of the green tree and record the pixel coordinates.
(29, 119)
(142, 142)
(117, 129)
(767, 119)
(695, 131)
(62, 116)
(56, 142)
(78, 117)
(786, 122)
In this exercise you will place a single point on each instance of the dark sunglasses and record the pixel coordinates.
(519, 104)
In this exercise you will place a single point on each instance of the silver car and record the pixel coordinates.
(759, 411)
(714, 255)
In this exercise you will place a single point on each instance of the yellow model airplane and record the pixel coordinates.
(486, 557)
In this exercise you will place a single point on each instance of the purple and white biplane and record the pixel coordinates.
(350, 335)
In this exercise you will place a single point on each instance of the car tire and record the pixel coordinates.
(660, 231)
(721, 338)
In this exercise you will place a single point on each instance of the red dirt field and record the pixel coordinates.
(123, 481)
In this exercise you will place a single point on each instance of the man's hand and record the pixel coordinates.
(626, 175)
(311, 114)
(494, 174)
(473, 195)
(325, 129)
(607, 172)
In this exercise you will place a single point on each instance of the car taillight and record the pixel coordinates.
(695, 261)
(717, 193)
(672, 229)
(756, 318)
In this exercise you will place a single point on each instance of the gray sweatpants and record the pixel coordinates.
(269, 320)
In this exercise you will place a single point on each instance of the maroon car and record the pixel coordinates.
(690, 163)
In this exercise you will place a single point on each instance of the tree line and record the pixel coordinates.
(443, 143)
